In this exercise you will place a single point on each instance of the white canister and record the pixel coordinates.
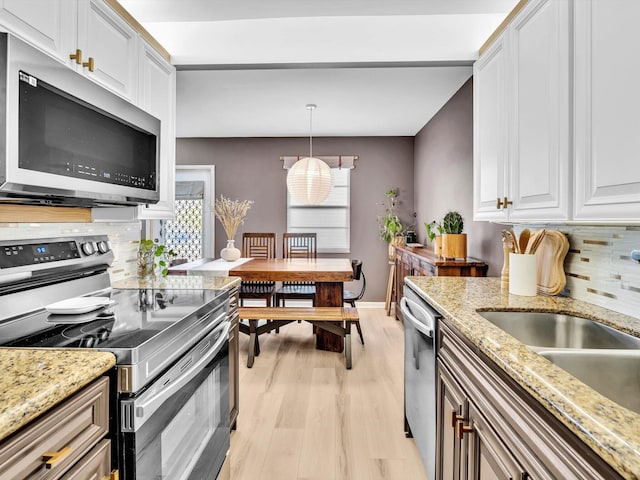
(523, 274)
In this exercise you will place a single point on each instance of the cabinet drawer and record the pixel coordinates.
(72, 428)
(94, 465)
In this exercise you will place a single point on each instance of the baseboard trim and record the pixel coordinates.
(307, 303)
(370, 304)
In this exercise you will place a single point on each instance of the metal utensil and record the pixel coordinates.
(523, 241)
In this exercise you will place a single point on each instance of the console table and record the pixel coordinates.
(411, 261)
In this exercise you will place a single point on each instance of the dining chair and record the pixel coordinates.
(258, 245)
(351, 297)
(297, 245)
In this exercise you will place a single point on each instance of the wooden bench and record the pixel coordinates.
(336, 320)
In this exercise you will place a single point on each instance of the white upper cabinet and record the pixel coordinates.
(122, 61)
(538, 116)
(521, 119)
(607, 104)
(50, 25)
(86, 35)
(158, 97)
(109, 45)
(489, 132)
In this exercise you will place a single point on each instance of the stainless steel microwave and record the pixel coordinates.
(65, 140)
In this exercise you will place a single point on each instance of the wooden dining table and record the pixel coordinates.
(329, 275)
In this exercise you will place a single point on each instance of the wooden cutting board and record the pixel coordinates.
(550, 262)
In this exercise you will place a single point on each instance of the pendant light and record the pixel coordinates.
(309, 179)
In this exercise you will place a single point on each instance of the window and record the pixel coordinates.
(190, 234)
(330, 220)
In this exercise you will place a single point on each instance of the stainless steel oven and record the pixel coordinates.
(178, 428)
(171, 346)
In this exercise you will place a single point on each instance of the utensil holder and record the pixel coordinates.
(523, 274)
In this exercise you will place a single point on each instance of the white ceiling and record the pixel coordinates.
(247, 68)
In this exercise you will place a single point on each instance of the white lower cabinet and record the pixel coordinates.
(490, 428)
(607, 102)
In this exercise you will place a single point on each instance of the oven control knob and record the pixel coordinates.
(88, 248)
(103, 247)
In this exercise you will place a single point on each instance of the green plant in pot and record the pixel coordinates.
(434, 233)
(391, 227)
(454, 242)
(153, 256)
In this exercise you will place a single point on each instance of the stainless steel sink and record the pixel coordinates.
(613, 373)
(550, 330)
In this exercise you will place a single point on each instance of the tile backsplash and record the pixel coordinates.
(599, 268)
(122, 238)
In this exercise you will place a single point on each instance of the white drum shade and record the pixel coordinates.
(309, 181)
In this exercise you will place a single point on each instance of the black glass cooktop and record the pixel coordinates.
(134, 321)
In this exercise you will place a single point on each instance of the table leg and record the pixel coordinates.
(329, 294)
(254, 345)
(390, 285)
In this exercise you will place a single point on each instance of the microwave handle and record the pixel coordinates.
(145, 407)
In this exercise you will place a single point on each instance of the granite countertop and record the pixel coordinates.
(612, 431)
(34, 380)
(199, 281)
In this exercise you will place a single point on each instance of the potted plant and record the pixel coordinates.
(454, 242)
(153, 256)
(231, 214)
(390, 225)
(434, 233)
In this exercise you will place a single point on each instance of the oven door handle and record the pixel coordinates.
(144, 408)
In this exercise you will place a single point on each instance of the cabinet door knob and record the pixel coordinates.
(506, 202)
(77, 56)
(498, 203)
(89, 64)
(51, 459)
(461, 429)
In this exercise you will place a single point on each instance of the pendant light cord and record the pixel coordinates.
(311, 107)
(311, 133)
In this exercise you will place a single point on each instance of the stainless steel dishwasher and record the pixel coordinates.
(420, 380)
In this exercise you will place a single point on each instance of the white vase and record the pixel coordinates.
(230, 253)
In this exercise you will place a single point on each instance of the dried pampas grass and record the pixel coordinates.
(231, 214)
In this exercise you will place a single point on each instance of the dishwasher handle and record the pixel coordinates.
(427, 326)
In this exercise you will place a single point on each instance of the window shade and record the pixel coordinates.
(330, 220)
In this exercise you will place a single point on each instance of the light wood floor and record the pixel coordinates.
(304, 416)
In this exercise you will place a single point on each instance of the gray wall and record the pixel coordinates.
(250, 168)
(443, 164)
